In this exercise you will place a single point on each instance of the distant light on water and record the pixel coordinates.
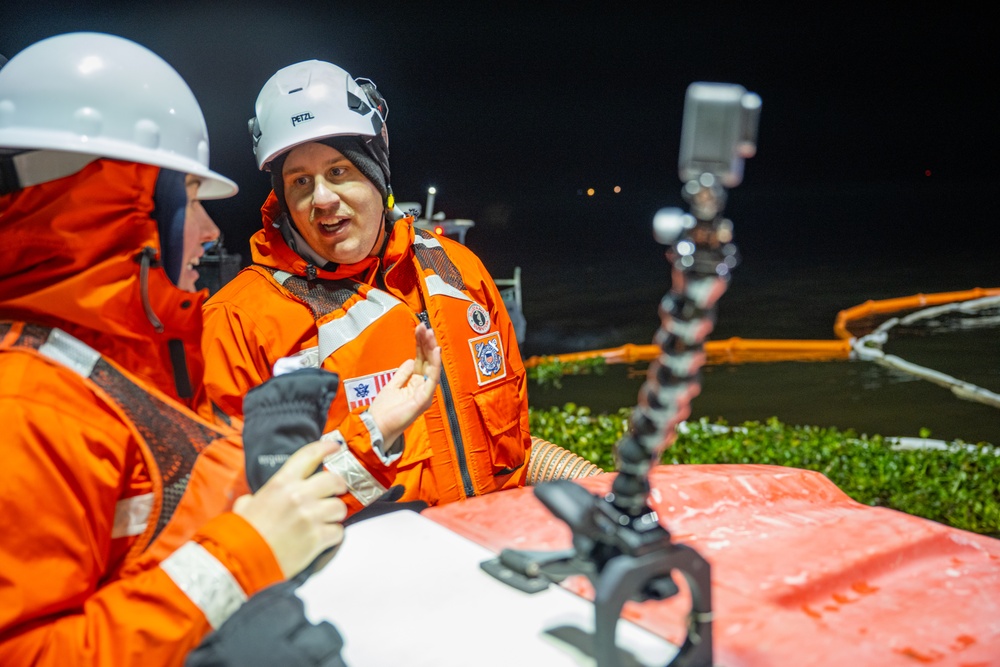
(592, 191)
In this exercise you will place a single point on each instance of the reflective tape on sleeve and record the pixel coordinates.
(206, 581)
(360, 482)
(336, 437)
(379, 445)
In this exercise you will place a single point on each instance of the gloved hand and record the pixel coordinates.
(286, 413)
(281, 415)
(270, 629)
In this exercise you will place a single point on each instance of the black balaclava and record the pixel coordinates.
(169, 210)
(357, 149)
(368, 154)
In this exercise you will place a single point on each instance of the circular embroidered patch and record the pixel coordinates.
(479, 319)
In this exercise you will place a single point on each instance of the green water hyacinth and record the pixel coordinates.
(958, 485)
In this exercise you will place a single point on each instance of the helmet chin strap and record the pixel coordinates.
(175, 347)
(292, 237)
(382, 239)
(147, 259)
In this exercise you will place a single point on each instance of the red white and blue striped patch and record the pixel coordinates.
(362, 391)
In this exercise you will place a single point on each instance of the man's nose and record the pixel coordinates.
(323, 194)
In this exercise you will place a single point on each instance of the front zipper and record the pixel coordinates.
(456, 432)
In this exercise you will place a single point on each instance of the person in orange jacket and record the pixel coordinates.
(338, 281)
(128, 533)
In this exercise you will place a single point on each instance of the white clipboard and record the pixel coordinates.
(404, 590)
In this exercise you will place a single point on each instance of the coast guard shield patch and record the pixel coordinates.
(487, 356)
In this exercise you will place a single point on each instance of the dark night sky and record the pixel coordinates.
(877, 151)
(512, 111)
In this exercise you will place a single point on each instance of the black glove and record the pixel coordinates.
(270, 629)
(283, 415)
(288, 412)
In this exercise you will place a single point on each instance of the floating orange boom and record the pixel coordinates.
(740, 350)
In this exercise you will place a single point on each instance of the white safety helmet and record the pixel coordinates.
(90, 94)
(314, 100)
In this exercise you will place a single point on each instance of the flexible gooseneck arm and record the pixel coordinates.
(618, 540)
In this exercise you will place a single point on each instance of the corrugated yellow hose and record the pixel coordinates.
(549, 461)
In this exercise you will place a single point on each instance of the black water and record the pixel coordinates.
(594, 296)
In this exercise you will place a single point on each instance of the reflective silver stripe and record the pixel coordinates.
(379, 445)
(427, 243)
(360, 483)
(70, 352)
(337, 333)
(282, 276)
(132, 515)
(206, 581)
(335, 436)
(307, 358)
(438, 287)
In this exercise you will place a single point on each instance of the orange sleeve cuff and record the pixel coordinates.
(240, 548)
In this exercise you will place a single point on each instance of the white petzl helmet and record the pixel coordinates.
(308, 101)
(92, 94)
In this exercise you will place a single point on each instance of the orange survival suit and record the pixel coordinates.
(117, 547)
(358, 322)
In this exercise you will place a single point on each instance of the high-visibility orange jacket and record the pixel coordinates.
(117, 547)
(358, 322)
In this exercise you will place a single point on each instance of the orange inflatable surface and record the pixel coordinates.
(801, 573)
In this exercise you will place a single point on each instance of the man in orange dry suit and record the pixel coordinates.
(338, 282)
(127, 533)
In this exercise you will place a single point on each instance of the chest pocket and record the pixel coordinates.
(499, 407)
